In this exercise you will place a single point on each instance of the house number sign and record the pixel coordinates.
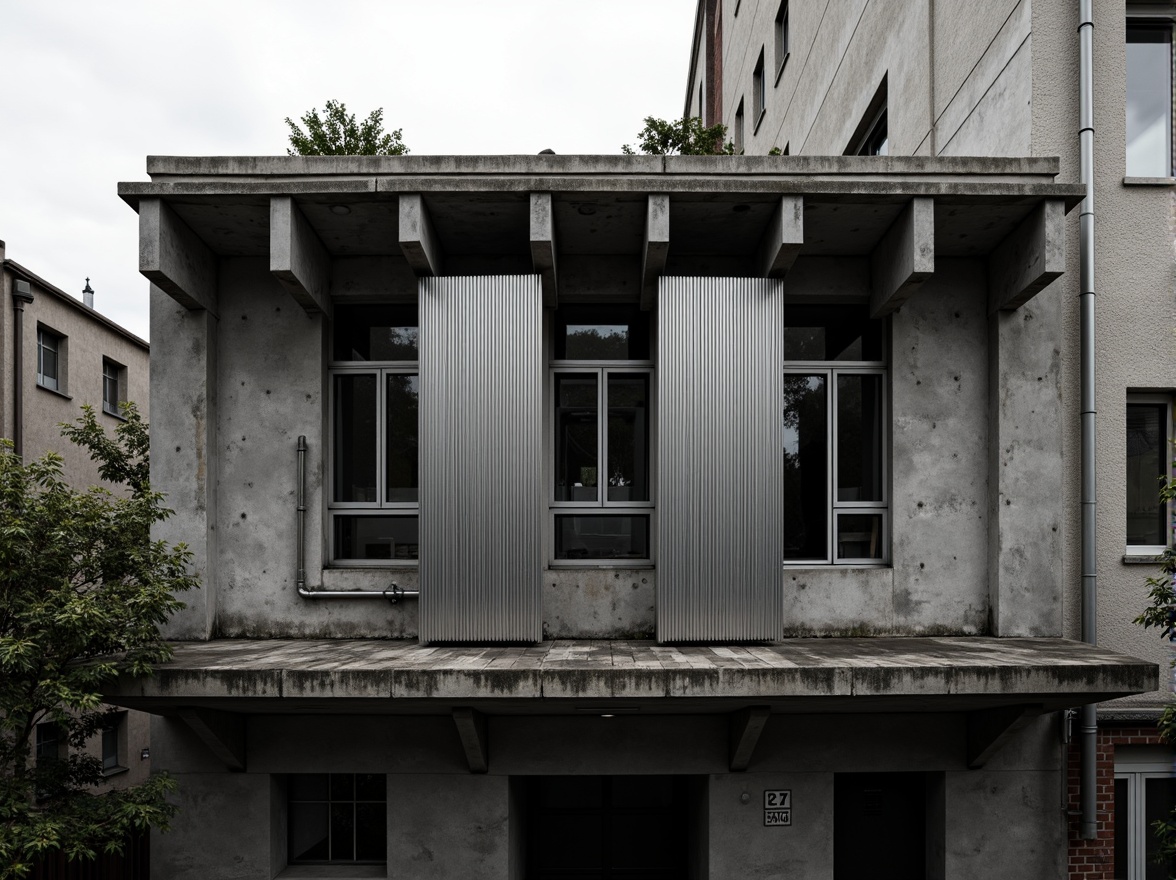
(777, 807)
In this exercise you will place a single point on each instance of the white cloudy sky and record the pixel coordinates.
(92, 88)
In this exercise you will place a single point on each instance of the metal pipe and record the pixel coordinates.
(1089, 717)
(393, 594)
(22, 293)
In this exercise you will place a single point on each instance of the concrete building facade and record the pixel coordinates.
(614, 516)
(940, 79)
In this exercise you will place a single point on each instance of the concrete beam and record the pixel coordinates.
(471, 727)
(298, 258)
(1031, 257)
(783, 238)
(989, 729)
(418, 240)
(222, 732)
(543, 246)
(174, 258)
(904, 258)
(657, 246)
(746, 725)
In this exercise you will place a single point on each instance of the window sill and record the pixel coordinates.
(54, 391)
(1142, 559)
(113, 771)
(591, 564)
(1149, 181)
(114, 414)
(780, 69)
(332, 872)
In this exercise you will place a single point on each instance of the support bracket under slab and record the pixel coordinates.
(746, 727)
(989, 729)
(222, 732)
(471, 727)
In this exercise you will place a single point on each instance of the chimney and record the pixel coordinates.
(88, 295)
(1, 251)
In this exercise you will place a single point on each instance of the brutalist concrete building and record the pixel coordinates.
(576, 516)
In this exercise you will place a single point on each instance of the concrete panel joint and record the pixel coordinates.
(904, 258)
(1030, 258)
(418, 240)
(783, 238)
(174, 258)
(543, 246)
(989, 729)
(222, 732)
(471, 728)
(298, 258)
(745, 728)
(657, 247)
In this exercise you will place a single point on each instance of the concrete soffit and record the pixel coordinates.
(989, 729)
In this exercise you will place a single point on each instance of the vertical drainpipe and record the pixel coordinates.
(1089, 716)
(22, 293)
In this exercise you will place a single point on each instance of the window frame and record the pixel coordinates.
(1152, 399)
(1136, 771)
(381, 506)
(759, 92)
(780, 39)
(114, 731)
(1154, 18)
(119, 378)
(290, 801)
(58, 383)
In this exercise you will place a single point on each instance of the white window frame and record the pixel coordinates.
(381, 506)
(1137, 770)
(1158, 15)
(831, 370)
(56, 382)
(601, 506)
(1144, 399)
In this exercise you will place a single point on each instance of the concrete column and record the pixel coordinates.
(1025, 474)
(183, 437)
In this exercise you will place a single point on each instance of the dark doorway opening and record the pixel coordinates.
(614, 827)
(880, 826)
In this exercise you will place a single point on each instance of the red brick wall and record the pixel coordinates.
(1094, 859)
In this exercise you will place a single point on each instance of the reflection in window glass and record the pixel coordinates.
(376, 333)
(601, 333)
(1147, 455)
(602, 537)
(400, 433)
(805, 467)
(859, 437)
(376, 537)
(1149, 100)
(859, 536)
(576, 437)
(831, 333)
(628, 437)
(355, 438)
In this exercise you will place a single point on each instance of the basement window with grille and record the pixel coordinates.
(337, 818)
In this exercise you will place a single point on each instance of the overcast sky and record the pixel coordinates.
(92, 88)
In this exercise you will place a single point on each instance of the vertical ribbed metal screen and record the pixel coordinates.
(481, 454)
(720, 480)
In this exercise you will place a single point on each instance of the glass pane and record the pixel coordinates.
(859, 536)
(599, 333)
(370, 787)
(628, 437)
(576, 448)
(109, 748)
(376, 333)
(1159, 797)
(376, 537)
(371, 832)
(806, 455)
(110, 391)
(602, 537)
(1122, 829)
(831, 333)
(342, 832)
(1147, 455)
(307, 786)
(355, 438)
(1149, 100)
(859, 438)
(342, 786)
(308, 832)
(401, 462)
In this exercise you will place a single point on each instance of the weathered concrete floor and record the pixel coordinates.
(1051, 671)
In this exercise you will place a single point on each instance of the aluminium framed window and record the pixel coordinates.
(836, 429)
(601, 398)
(1145, 791)
(1149, 435)
(373, 486)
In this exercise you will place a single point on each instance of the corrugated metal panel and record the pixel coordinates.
(720, 440)
(481, 454)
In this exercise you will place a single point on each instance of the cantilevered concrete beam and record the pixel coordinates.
(418, 240)
(222, 732)
(745, 728)
(174, 258)
(298, 258)
(783, 238)
(1029, 259)
(989, 729)
(904, 258)
(657, 246)
(471, 727)
(543, 246)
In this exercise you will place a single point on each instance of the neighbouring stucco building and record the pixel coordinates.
(614, 516)
(58, 353)
(941, 79)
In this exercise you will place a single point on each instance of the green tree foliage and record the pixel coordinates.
(686, 137)
(336, 133)
(1160, 613)
(83, 590)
